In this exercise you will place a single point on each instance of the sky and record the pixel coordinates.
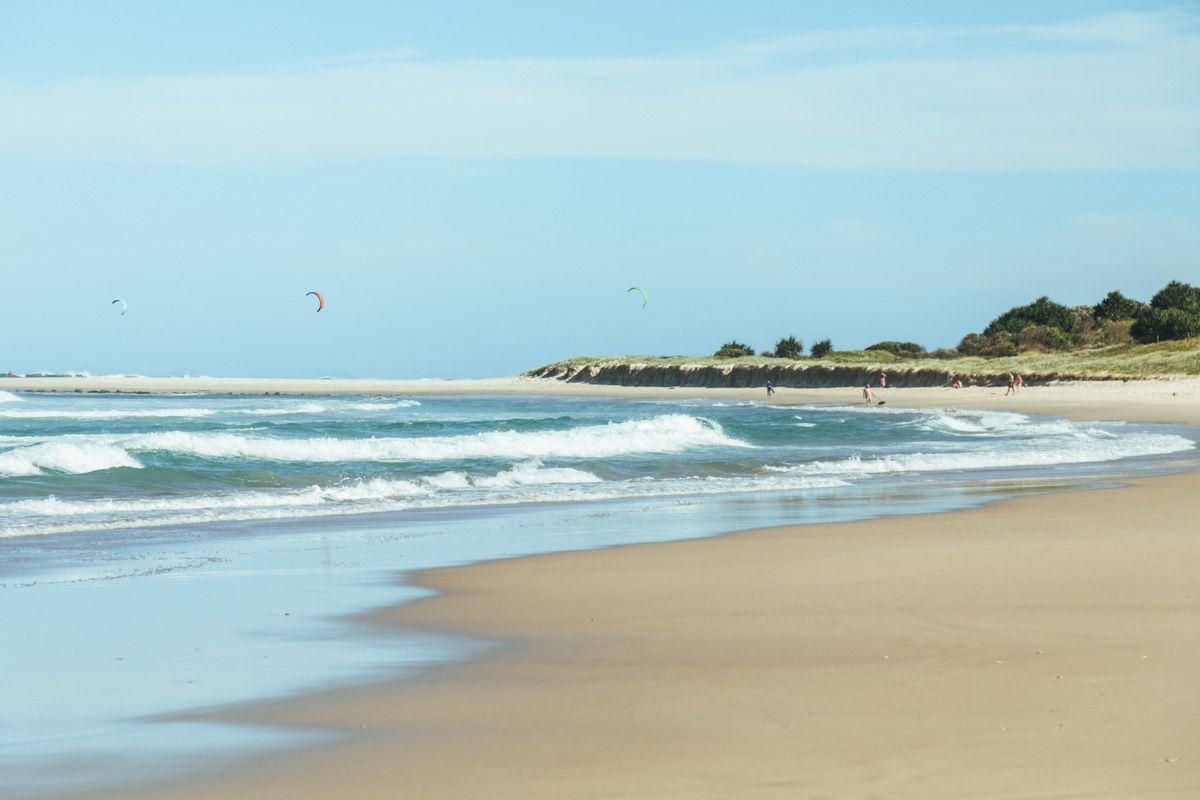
(474, 186)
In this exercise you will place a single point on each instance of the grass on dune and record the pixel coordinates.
(1162, 359)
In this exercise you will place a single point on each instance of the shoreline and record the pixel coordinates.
(711, 668)
(1172, 400)
(898, 657)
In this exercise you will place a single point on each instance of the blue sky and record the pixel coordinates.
(473, 186)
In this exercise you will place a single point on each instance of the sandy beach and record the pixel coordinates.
(1155, 400)
(1041, 647)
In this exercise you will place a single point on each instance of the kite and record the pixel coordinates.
(124, 306)
(320, 300)
(641, 291)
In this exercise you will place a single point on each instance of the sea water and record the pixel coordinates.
(160, 554)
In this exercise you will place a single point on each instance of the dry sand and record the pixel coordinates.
(1045, 647)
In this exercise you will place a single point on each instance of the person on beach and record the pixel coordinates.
(882, 380)
(957, 384)
(1019, 383)
(770, 389)
(867, 396)
(1012, 385)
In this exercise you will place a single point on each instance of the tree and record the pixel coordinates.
(1042, 311)
(734, 349)
(822, 348)
(1177, 294)
(1158, 324)
(996, 344)
(1117, 306)
(791, 347)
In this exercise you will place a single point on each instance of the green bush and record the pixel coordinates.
(1042, 311)
(821, 348)
(1116, 306)
(995, 344)
(1042, 338)
(790, 347)
(1113, 331)
(902, 349)
(734, 349)
(1160, 324)
(1177, 294)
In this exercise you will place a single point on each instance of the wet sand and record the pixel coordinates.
(1044, 647)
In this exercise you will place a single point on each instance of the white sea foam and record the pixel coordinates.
(529, 482)
(980, 424)
(672, 433)
(1078, 450)
(63, 456)
(383, 406)
(61, 412)
(9, 397)
(994, 423)
(300, 408)
(106, 414)
(533, 473)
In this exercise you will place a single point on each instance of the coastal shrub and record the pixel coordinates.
(1042, 311)
(1085, 326)
(970, 344)
(995, 344)
(902, 349)
(1160, 324)
(1042, 338)
(1113, 331)
(821, 348)
(734, 349)
(1116, 306)
(1103, 332)
(789, 347)
(943, 353)
(1177, 294)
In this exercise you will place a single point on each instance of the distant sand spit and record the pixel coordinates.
(1155, 400)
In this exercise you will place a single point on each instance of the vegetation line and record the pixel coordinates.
(1118, 338)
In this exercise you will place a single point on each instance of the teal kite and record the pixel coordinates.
(639, 290)
(124, 306)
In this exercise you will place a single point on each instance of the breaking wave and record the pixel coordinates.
(525, 482)
(73, 458)
(672, 433)
(1086, 449)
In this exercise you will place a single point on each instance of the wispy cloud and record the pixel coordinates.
(1107, 93)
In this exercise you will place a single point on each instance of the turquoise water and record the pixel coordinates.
(165, 553)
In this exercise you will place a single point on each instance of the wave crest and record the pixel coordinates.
(70, 457)
(671, 433)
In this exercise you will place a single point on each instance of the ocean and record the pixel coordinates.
(160, 554)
